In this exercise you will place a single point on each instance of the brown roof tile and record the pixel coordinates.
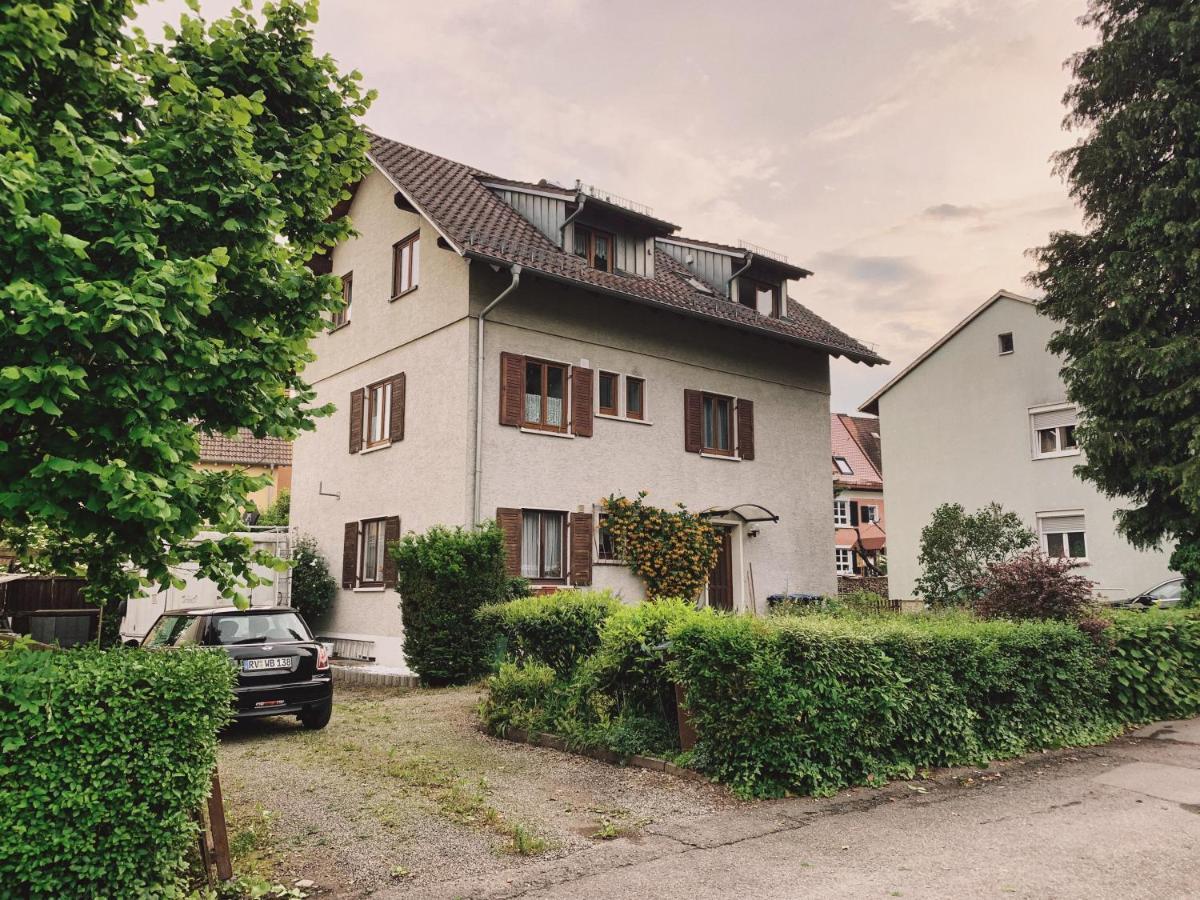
(245, 448)
(480, 224)
(846, 445)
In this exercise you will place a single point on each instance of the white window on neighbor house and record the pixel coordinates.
(868, 512)
(1063, 535)
(841, 557)
(841, 512)
(842, 465)
(1053, 430)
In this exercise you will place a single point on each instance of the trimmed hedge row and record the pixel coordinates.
(815, 703)
(104, 757)
(557, 629)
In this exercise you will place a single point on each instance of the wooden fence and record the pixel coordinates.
(50, 608)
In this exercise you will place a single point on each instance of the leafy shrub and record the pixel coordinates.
(279, 512)
(104, 757)
(956, 548)
(313, 588)
(521, 695)
(516, 587)
(1032, 585)
(444, 576)
(672, 551)
(1155, 660)
(813, 704)
(558, 629)
(630, 663)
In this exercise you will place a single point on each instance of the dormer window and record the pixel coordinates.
(594, 247)
(759, 296)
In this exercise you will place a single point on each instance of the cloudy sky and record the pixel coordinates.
(898, 148)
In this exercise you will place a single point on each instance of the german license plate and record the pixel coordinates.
(269, 662)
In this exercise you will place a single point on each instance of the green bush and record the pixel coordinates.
(522, 695)
(1155, 660)
(813, 704)
(444, 576)
(313, 588)
(558, 629)
(104, 758)
(279, 512)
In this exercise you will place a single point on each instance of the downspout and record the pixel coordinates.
(734, 276)
(562, 229)
(478, 484)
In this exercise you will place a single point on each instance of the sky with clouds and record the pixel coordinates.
(900, 149)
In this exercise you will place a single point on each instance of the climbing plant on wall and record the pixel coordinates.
(672, 551)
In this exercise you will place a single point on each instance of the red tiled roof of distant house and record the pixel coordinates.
(246, 449)
(844, 444)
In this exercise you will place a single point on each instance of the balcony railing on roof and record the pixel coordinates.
(762, 251)
(615, 199)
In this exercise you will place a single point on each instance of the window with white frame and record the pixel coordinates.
(844, 564)
(1063, 535)
(842, 465)
(841, 512)
(868, 512)
(542, 538)
(372, 548)
(1053, 430)
(378, 413)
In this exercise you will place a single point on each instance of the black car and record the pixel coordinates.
(282, 669)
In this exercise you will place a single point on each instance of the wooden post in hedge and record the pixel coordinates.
(214, 836)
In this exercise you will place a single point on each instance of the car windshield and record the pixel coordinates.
(174, 631)
(256, 628)
(1170, 590)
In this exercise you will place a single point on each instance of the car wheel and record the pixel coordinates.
(317, 716)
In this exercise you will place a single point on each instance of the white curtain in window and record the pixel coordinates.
(554, 534)
(554, 411)
(533, 407)
(530, 544)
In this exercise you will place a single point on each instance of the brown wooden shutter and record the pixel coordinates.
(350, 556)
(391, 534)
(581, 548)
(693, 416)
(581, 400)
(509, 521)
(356, 419)
(512, 388)
(854, 513)
(396, 416)
(745, 427)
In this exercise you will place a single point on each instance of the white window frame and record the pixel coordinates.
(385, 418)
(1000, 343)
(841, 513)
(1043, 534)
(843, 560)
(873, 519)
(622, 398)
(1035, 432)
(849, 470)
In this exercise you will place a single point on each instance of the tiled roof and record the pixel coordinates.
(245, 448)
(865, 475)
(865, 431)
(478, 223)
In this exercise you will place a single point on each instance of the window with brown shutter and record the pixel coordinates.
(545, 396)
(350, 556)
(581, 401)
(693, 413)
(378, 400)
(356, 420)
(396, 425)
(745, 428)
(512, 388)
(581, 548)
(509, 521)
(717, 418)
(391, 534)
(371, 552)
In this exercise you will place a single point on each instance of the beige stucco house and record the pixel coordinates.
(519, 351)
(982, 415)
(255, 456)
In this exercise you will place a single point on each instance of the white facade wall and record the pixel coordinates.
(956, 429)
(427, 478)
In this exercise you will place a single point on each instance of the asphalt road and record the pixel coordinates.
(1119, 821)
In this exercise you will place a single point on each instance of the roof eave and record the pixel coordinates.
(869, 359)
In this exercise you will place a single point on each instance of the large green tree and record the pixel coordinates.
(1126, 291)
(159, 202)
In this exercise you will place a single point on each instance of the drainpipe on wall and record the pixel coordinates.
(562, 229)
(478, 482)
(734, 276)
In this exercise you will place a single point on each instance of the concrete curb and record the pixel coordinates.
(554, 742)
(353, 676)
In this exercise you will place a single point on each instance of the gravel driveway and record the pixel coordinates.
(402, 791)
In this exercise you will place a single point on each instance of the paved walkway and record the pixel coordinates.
(1119, 821)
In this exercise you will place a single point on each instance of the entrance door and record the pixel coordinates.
(720, 579)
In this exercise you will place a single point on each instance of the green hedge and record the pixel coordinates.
(1155, 665)
(104, 757)
(557, 629)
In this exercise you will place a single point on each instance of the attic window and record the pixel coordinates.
(594, 247)
(1006, 343)
(759, 296)
(842, 465)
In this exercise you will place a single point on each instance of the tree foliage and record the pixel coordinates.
(1032, 585)
(957, 548)
(313, 588)
(160, 202)
(1126, 291)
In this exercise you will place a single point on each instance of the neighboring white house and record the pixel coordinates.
(982, 415)
(617, 356)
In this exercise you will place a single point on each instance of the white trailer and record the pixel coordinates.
(143, 612)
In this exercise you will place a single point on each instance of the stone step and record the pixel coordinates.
(357, 676)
